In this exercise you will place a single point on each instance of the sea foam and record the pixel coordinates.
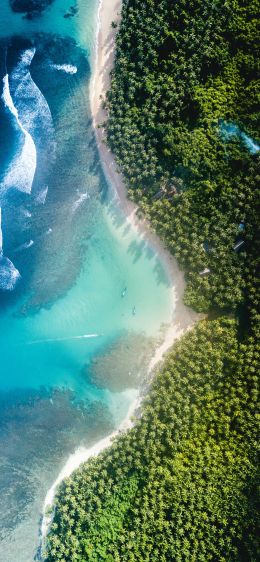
(33, 108)
(22, 169)
(67, 68)
(41, 197)
(9, 275)
(82, 197)
(1, 234)
(24, 246)
(24, 100)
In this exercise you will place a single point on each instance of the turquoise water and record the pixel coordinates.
(82, 28)
(91, 297)
(48, 348)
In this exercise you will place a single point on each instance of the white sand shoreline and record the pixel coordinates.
(81, 455)
(183, 317)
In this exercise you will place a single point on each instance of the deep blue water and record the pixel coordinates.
(70, 268)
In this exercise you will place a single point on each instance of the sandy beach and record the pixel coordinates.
(183, 318)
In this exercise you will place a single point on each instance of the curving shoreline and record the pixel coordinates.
(80, 456)
(183, 318)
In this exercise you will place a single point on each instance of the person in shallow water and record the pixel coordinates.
(123, 294)
(134, 311)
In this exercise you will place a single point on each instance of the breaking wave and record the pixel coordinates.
(32, 114)
(26, 213)
(68, 68)
(41, 197)
(21, 171)
(82, 197)
(9, 275)
(1, 234)
(24, 246)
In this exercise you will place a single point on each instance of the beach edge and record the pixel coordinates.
(183, 318)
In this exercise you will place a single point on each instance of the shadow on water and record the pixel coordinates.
(138, 247)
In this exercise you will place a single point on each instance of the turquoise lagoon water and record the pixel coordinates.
(81, 293)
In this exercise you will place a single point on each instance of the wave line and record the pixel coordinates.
(28, 155)
(85, 336)
(9, 275)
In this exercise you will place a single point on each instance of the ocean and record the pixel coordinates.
(83, 299)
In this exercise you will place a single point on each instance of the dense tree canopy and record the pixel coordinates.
(184, 70)
(181, 486)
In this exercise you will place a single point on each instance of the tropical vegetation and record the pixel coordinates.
(181, 486)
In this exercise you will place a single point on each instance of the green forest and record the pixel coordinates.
(183, 119)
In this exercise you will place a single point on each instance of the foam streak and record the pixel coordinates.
(9, 275)
(67, 68)
(84, 337)
(1, 234)
(22, 170)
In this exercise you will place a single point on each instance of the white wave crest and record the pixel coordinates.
(41, 197)
(22, 169)
(26, 213)
(27, 56)
(32, 114)
(68, 68)
(9, 275)
(82, 197)
(1, 234)
(32, 105)
(24, 246)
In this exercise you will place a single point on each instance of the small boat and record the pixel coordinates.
(123, 292)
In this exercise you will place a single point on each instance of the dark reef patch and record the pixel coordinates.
(38, 427)
(73, 10)
(32, 8)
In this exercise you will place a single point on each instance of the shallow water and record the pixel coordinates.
(89, 292)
